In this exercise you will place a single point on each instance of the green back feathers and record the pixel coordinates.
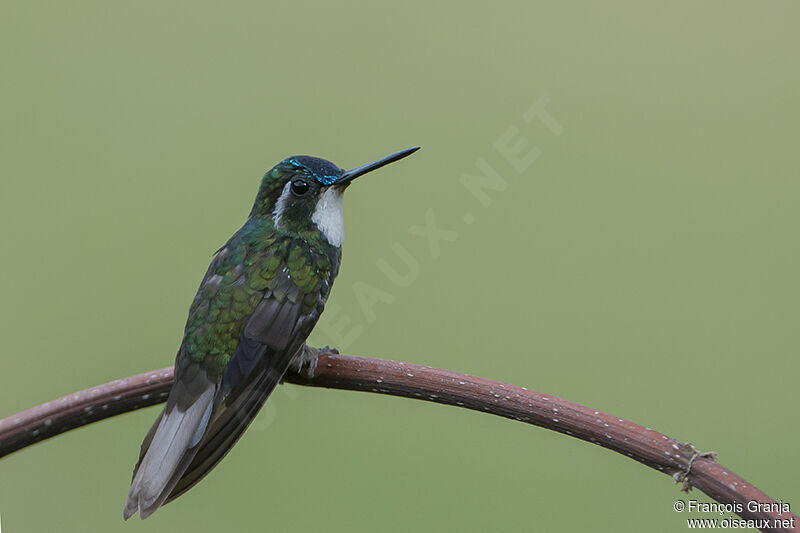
(237, 279)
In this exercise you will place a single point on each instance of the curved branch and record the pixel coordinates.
(645, 445)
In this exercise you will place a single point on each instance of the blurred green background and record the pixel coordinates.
(645, 264)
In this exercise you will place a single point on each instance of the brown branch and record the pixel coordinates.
(645, 445)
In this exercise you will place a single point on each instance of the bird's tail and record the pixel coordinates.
(183, 446)
(233, 418)
(167, 451)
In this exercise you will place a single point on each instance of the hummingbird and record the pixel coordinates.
(248, 323)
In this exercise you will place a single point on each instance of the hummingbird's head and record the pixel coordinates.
(304, 193)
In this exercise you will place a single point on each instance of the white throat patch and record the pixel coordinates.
(329, 215)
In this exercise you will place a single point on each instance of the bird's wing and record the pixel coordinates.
(205, 416)
(274, 334)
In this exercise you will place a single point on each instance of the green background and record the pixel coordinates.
(646, 264)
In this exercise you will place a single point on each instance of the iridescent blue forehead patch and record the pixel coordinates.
(321, 170)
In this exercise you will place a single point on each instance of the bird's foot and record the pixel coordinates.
(305, 362)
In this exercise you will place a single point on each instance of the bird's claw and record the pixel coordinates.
(305, 362)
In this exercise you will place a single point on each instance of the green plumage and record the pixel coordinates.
(259, 300)
(237, 279)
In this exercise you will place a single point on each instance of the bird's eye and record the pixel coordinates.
(299, 187)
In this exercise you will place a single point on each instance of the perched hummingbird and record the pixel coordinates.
(261, 297)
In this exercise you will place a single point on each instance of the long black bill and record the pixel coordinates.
(350, 175)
